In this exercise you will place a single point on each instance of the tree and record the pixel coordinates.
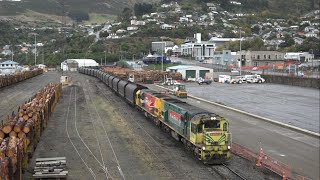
(78, 15)
(255, 29)
(125, 15)
(142, 8)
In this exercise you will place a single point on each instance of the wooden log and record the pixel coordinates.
(27, 127)
(2, 135)
(30, 114)
(25, 117)
(12, 146)
(28, 141)
(3, 147)
(12, 134)
(19, 126)
(21, 135)
(8, 127)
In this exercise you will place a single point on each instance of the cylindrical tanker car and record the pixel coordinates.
(204, 133)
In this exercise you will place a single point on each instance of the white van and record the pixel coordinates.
(224, 78)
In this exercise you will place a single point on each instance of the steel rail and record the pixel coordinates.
(150, 149)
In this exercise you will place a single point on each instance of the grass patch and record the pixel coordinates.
(99, 18)
(158, 66)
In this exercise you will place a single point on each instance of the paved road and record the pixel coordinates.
(299, 151)
(13, 96)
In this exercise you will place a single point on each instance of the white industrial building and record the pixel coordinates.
(198, 49)
(8, 66)
(190, 72)
(74, 64)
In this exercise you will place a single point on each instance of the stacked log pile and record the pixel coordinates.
(20, 133)
(7, 80)
(142, 76)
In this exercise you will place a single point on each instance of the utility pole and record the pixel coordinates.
(240, 53)
(43, 55)
(105, 57)
(11, 52)
(161, 54)
(35, 49)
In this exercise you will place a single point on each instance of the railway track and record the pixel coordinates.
(102, 128)
(225, 172)
(150, 148)
(231, 174)
(98, 167)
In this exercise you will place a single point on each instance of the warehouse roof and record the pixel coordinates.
(7, 62)
(81, 62)
(181, 67)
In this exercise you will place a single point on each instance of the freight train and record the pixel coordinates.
(204, 133)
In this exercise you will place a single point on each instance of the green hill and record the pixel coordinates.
(276, 8)
(58, 6)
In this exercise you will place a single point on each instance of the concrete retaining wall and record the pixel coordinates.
(294, 81)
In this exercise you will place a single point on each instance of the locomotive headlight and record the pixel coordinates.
(203, 148)
(229, 147)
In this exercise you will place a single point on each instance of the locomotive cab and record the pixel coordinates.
(211, 135)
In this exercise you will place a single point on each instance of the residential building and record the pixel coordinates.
(298, 40)
(132, 28)
(137, 23)
(167, 26)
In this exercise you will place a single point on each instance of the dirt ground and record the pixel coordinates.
(103, 137)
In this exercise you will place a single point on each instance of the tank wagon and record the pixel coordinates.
(204, 133)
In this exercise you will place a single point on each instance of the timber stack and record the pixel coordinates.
(53, 168)
(8, 80)
(146, 76)
(20, 133)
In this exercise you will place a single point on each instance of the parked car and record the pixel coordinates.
(236, 80)
(300, 74)
(204, 81)
(254, 79)
(255, 68)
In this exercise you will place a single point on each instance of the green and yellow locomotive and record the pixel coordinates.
(205, 134)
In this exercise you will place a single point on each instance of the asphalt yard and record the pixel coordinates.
(292, 105)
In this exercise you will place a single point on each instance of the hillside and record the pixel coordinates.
(271, 8)
(57, 7)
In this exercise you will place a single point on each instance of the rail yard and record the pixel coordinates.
(102, 137)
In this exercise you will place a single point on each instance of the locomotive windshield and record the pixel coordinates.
(211, 124)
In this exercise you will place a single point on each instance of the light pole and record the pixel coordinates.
(161, 54)
(240, 66)
(105, 57)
